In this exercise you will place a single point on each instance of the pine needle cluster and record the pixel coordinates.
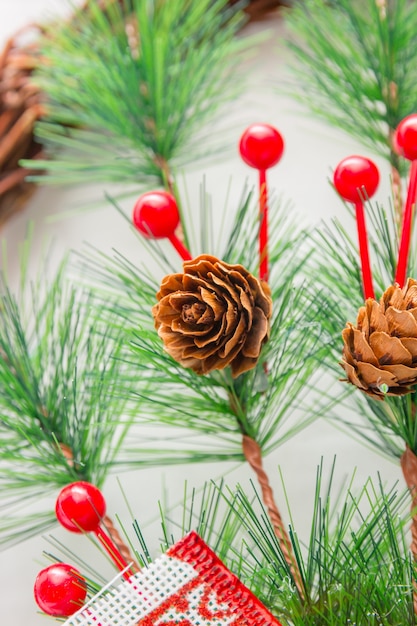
(61, 420)
(356, 61)
(386, 425)
(355, 566)
(130, 86)
(216, 408)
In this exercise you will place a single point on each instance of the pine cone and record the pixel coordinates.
(213, 315)
(380, 353)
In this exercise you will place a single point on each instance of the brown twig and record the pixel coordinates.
(409, 468)
(14, 178)
(120, 543)
(19, 132)
(253, 455)
(257, 9)
(397, 194)
(20, 108)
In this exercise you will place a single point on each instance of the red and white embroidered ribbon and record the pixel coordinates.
(188, 585)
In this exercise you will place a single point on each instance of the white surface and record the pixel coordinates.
(311, 151)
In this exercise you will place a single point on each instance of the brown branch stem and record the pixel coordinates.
(397, 195)
(120, 544)
(253, 455)
(166, 174)
(409, 469)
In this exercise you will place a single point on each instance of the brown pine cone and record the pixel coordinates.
(213, 315)
(380, 353)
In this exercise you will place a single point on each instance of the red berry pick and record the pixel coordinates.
(356, 178)
(60, 590)
(80, 507)
(156, 216)
(405, 139)
(261, 146)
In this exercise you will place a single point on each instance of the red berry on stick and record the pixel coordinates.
(261, 147)
(156, 216)
(60, 590)
(356, 178)
(405, 141)
(406, 137)
(80, 507)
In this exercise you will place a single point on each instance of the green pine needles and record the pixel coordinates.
(356, 61)
(338, 294)
(60, 418)
(130, 87)
(355, 565)
(216, 408)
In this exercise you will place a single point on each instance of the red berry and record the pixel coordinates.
(406, 137)
(261, 146)
(356, 178)
(155, 214)
(60, 590)
(80, 507)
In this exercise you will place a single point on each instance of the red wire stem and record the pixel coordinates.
(180, 248)
(112, 551)
(263, 227)
(368, 290)
(404, 249)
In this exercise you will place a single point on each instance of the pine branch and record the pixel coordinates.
(337, 293)
(356, 567)
(174, 396)
(356, 64)
(347, 563)
(223, 413)
(58, 407)
(130, 86)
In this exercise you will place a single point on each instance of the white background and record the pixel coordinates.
(312, 150)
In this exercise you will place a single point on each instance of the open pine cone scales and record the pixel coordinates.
(380, 352)
(213, 315)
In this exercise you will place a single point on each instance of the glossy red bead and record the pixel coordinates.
(356, 178)
(80, 507)
(60, 590)
(406, 137)
(261, 146)
(156, 215)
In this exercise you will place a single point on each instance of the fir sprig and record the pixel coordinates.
(130, 85)
(338, 294)
(356, 64)
(60, 417)
(215, 415)
(357, 549)
(215, 407)
(355, 566)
